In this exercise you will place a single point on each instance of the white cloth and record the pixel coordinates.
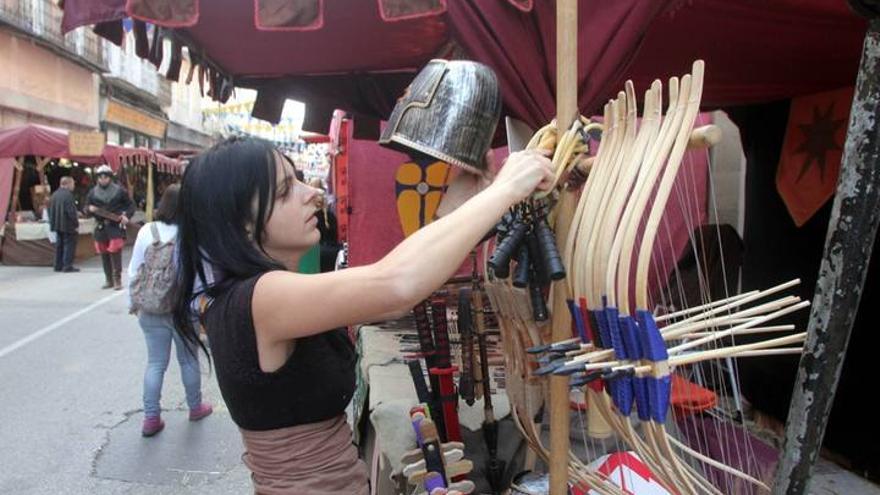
(51, 235)
(144, 239)
(31, 231)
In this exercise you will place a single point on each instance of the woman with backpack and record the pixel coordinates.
(153, 273)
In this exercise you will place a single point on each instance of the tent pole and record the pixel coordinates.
(566, 112)
(851, 232)
(16, 188)
(151, 200)
(42, 161)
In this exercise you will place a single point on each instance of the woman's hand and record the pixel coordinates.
(525, 171)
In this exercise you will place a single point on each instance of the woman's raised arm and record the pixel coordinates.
(289, 305)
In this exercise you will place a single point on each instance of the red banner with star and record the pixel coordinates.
(812, 150)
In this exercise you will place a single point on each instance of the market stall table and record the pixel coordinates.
(27, 243)
(385, 395)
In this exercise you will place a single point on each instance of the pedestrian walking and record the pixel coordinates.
(64, 223)
(111, 206)
(153, 273)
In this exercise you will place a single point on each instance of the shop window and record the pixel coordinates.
(127, 138)
(112, 135)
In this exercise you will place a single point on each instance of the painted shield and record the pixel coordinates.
(419, 188)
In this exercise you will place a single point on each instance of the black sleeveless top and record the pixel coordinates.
(315, 384)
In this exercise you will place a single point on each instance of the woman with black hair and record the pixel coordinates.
(284, 363)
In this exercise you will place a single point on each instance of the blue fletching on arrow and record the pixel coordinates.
(623, 391)
(602, 324)
(605, 336)
(618, 374)
(578, 320)
(611, 323)
(654, 349)
(630, 333)
(653, 346)
(643, 401)
(594, 324)
(659, 390)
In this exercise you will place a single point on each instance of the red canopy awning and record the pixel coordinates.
(359, 57)
(40, 140)
(755, 50)
(354, 58)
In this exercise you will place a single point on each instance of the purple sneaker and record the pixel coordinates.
(200, 412)
(152, 425)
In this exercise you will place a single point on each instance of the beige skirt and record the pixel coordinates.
(316, 458)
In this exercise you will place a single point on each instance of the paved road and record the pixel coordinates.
(71, 368)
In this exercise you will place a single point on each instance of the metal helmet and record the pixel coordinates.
(449, 112)
(104, 170)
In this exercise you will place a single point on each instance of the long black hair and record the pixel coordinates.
(225, 200)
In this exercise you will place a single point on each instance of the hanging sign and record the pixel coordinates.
(86, 143)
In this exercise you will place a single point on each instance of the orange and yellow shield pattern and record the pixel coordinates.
(419, 188)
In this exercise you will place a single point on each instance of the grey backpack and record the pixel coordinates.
(152, 289)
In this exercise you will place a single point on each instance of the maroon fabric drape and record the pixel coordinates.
(398, 10)
(364, 96)
(166, 13)
(755, 50)
(521, 47)
(84, 12)
(288, 15)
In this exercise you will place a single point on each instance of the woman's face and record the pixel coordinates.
(292, 227)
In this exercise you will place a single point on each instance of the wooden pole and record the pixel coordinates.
(851, 232)
(16, 188)
(566, 112)
(150, 198)
(42, 161)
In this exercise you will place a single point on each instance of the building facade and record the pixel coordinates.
(80, 81)
(47, 78)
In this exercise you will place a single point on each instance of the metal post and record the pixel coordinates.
(851, 232)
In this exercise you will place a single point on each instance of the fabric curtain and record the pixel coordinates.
(520, 46)
(288, 15)
(398, 10)
(166, 13)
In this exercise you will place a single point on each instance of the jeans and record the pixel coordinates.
(159, 332)
(65, 249)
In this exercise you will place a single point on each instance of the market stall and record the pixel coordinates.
(603, 45)
(33, 159)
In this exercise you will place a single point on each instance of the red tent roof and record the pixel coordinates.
(354, 39)
(40, 140)
(755, 50)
